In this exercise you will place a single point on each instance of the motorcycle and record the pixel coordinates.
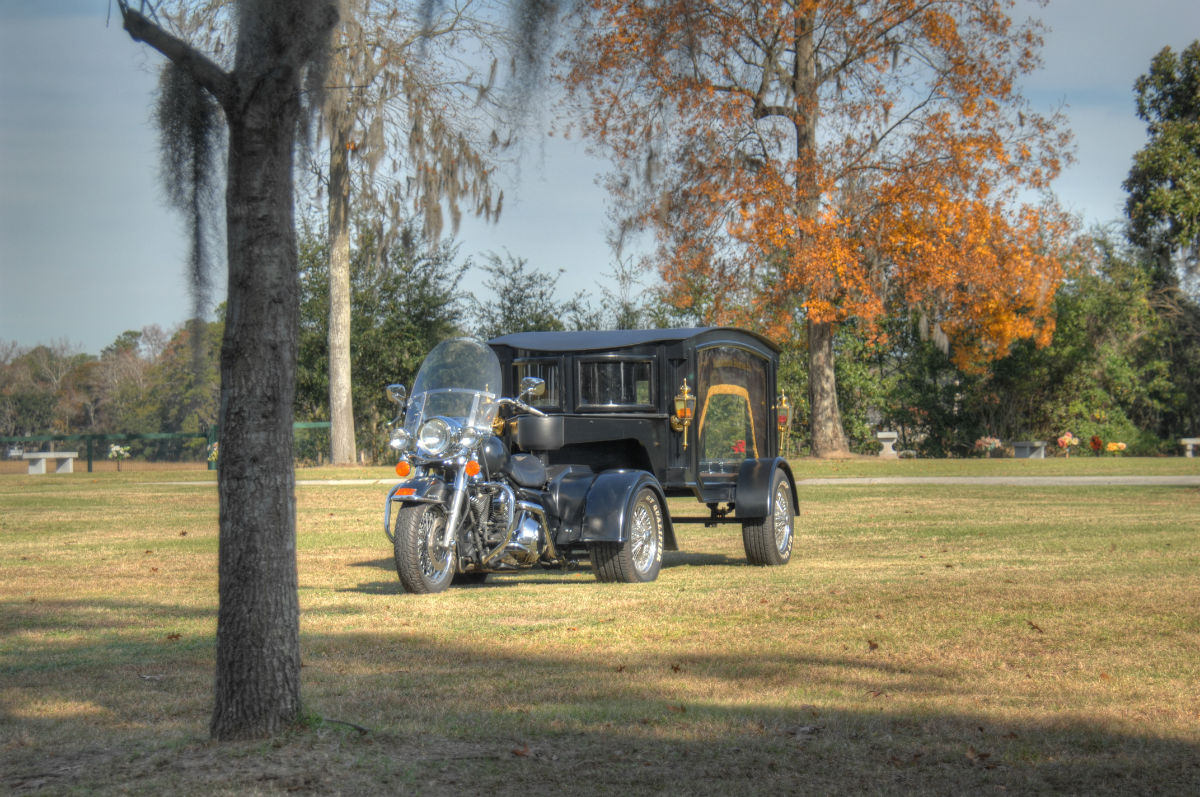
(467, 505)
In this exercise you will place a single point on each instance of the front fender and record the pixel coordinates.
(755, 478)
(422, 490)
(610, 500)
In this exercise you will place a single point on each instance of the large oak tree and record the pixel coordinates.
(808, 161)
(278, 59)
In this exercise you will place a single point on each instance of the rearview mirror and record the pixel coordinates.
(533, 387)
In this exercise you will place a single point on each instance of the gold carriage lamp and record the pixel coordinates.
(783, 421)
(783, 413)
(685, 410)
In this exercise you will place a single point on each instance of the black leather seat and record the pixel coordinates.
(525, 470)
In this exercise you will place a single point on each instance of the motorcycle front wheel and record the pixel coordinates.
(422, 562)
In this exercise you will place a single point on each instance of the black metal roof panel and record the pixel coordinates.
(607, 340)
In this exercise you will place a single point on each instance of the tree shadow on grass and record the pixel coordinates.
(670, 559)
(522, 578)
(376, 588)
(381, 564)
(688, 559)
(534, 706)
(536, 576)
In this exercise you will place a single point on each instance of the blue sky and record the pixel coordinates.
(88, 250)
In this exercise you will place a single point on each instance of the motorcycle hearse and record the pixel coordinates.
(549, 448)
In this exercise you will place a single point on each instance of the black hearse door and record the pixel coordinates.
(734, 397)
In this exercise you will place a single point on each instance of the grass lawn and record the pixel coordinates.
(806, 468)
(928, 639)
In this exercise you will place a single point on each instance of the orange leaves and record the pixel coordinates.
(828, 157)
(991, 271)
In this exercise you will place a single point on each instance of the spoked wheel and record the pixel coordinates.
(768, 541)
(639, 558)
(422, 562)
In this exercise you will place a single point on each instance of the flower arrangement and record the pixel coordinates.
(118, 453)
(1067, 441)
(1115, 448)
(987, 444)
(1096, 444)
(214, 451)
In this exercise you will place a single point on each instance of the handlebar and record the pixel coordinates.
(523, 407)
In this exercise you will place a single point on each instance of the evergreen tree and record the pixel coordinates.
(1164, 183)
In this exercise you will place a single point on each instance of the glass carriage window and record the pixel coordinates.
(727, 425)
(542, 369)
(732, 393)
(616, 383)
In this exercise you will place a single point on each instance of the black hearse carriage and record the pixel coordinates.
(694, 407)
(601, 428)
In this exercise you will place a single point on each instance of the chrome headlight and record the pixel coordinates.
(400, 440)
(435, 437)
(468, 438)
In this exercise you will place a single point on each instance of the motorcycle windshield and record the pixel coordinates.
(460, 379)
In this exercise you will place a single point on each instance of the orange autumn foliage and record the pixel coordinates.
(818, 160)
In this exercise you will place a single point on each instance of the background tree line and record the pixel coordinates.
(1124, 363)
(144, 381)
(405, 299)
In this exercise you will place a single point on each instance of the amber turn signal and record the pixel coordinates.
(403, 469)
(472, 468)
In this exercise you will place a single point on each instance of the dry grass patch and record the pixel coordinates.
(925, 639)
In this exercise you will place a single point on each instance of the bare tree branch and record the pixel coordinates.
(203, 70)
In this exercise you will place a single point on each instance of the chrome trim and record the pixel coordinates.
(456, 503)
(446, 432)
(514, 518)
(408, 499)
(780, 518)
(540, 514)
(646, 524)
(511, 529)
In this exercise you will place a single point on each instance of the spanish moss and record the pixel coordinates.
(534, 23)
(190, 126)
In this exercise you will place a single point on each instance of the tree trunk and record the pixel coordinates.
(341, 404)
(258, 616)
(828, 438)
(258, 621)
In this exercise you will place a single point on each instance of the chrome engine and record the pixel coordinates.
(525, 546)
(514, 531)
